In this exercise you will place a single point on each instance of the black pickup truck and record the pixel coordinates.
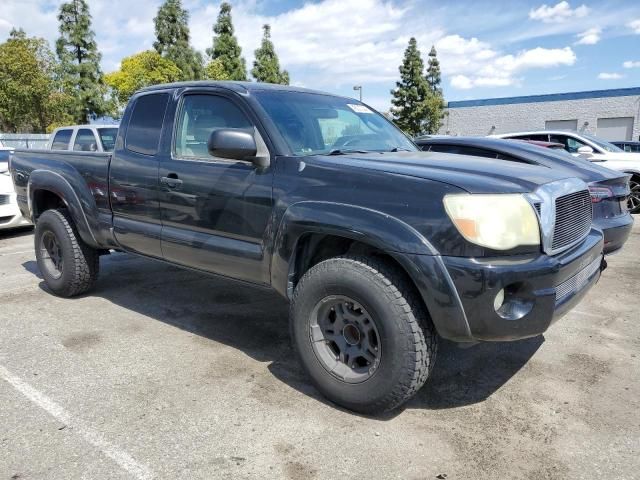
(380, 248)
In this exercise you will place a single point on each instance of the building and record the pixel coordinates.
(609, 114)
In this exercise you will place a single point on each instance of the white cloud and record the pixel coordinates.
(635, 25)
(559, 13)
(631, 64)
(589, 37)
(610, 76)
(503, 70)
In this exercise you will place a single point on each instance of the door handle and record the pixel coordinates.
(171, 180)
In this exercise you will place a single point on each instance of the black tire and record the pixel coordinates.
(408, 342)
(75, 270)
(634, 197)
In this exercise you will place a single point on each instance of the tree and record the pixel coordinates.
(433, 71)
(215, 70)
(225, 46)
(435, 102)
(266, 67)
(82, 78)
(411, 93)
(434, 112)
(141, 70)
(29, 99)
(172, 32)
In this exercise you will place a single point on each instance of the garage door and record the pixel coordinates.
(612, 129)
(567, 125)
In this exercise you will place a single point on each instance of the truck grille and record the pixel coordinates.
(573, 219)
(4, 199)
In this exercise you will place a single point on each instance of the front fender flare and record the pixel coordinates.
(358, 223)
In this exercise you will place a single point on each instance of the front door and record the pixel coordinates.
(215, 211)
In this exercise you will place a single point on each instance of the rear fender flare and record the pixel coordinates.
(79, 201)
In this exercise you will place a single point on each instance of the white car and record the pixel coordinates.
(10, 216)
(593, 149)
(84, 138)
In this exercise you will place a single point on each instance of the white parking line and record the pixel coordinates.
(16, 253)
(586, 314)
(122, 458)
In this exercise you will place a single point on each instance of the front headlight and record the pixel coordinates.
(499, 222)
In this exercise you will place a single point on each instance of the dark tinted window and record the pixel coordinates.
(201, 115)
(463, 150)
(85, 141)
(143, 132)
(108, 138)
(61, 140)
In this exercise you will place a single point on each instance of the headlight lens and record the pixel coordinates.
(499, 222)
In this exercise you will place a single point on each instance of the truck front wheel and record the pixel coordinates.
(68, 266)
(361, 333)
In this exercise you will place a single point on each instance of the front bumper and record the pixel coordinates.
(10, 215)
(539, 290)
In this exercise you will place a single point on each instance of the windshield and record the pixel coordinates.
(606, 146)
(108, 138)
(316, 124)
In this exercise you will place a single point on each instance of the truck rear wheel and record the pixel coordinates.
(361, 333)
(68, 266)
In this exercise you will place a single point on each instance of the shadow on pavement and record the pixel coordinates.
(16, 232)
(255, 321)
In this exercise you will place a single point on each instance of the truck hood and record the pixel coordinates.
(473, 174)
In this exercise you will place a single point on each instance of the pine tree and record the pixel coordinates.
(80, 62)
(435, 102)
(411, 92)
(433, 71)
(266, 67)
(172, 33)
(225, 46)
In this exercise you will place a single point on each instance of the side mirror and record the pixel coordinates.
(585, 151)
(232, 143)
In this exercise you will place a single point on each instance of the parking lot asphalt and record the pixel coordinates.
(167, 373)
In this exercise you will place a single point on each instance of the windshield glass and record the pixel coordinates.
(108, 138)
(606, 146)
(316, 124)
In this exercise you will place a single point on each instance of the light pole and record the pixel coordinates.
(359, 89)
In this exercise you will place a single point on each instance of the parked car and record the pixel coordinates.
(380, 248)
(609, 189)
(10, 215)
(633, 147)
(595, 150)
(84, 138)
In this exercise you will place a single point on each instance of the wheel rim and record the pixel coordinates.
(51, 254)
(345, 339)
(634, 197)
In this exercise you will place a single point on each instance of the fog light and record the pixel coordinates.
(499, 300)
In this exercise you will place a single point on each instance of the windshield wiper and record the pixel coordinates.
(337, 151)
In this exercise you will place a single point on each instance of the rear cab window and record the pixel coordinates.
(61, 140)
(85, 141)
(145, 124)
(108, 138)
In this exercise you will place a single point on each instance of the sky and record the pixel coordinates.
(486, 49)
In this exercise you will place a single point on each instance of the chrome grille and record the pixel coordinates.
(4, 199)
(573, 219)
(578, 281)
